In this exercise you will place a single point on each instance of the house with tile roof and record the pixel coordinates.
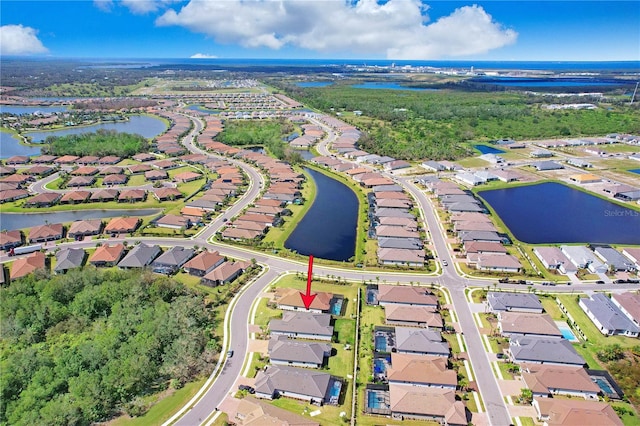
(289, 299)
(47, 232)
(122, 225)
(425, 403)
(205, 262)
(546, 380)
(520, 324)
(107, 255)
(26, 265)
(574, 412)
(421, 370)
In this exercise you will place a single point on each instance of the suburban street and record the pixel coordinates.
(237, 337)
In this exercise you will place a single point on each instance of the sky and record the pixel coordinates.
(323, 29)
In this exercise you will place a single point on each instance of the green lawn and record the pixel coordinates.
(329, 415)
(345, 330)
(341, 364)
(164, 408)
(453, 342)
(265, 313)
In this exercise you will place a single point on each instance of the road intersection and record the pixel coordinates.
(224, 378)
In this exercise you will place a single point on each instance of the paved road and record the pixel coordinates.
(497, 411)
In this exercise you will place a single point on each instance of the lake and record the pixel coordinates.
(328, 229)
(143, 125)
(486, 149)
(19, 109)
(552, 213)
(201, 108)
(636, 171)
(10, 146)
(11, 221)
(388, 86)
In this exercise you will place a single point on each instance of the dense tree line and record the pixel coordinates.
(440, 124)
(82, 347)
(263, 133)
(100, 143)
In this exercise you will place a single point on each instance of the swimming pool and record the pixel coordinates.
(334, 392)
(604, 385)
(566, 331)
(375, 399)
(379, 366)
(336, 307)
(380, 343)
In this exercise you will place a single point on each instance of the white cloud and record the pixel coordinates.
(104, 5)
(202, 56)
(397, 29)
(19, 40)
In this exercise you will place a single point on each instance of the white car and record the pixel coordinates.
(445, 263)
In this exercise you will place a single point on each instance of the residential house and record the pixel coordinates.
(554, 258)
(172, 260)
(44, 233)
(26, 265)
(498, 263)
(205, 262)
(237, 234)
(172, 221)
(253, 412)
(10, 239)
(82, 228)
(632, 254)
(225, 273)
(297, 353)
(140, 256)
(303, 325)
(575, 412)
(289, 299)
(514, 302)
(613, 259)
(543, 166)
(546, 380)
(122, 225)
(75, 197)
(167, 194)
(608, 317)
(46, 199)
(406, 295)
(107, 255)
(132, 196)
(413, 316)
(401, 256)
(421, 370)
(104, 195)
(424, 403)
(543, 350)
(69, 258)
(411, 340)
(521, 324)
(298, 383)
(629, 304)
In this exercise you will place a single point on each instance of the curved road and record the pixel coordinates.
(496, 409)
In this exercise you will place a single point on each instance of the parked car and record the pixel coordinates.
(247, 388)
(599, 282)
(229, 353)
(445, 263)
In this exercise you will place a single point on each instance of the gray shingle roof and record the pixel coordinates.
(303, 323)
(69, 258)
(290, 379)
(608, 314)
(409, 339)
(284, 349)
(499, 301)
(177, 256)
(544, 350)
(140, 256)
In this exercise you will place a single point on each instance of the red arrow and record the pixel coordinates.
(307, 299)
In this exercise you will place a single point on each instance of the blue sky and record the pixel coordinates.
(393, 29)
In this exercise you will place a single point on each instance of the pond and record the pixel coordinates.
(10, 146)
(201, 108)
(636, 171)
(486, 149)
(388, 86)
(552, 213)
(144, 125)
(11, 221)
(20, 109)
(328, 229)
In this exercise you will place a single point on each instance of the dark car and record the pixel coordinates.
(599, 282)
(247, 388)
(229, 353)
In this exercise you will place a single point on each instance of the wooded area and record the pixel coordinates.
(438, 125)
(100, 143)
(83, 347)
(263, 133)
